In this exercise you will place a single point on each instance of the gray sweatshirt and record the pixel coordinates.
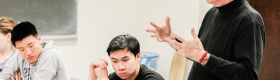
(49, 65)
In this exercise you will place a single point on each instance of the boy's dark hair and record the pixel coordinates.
(22, 30)
(122, 42)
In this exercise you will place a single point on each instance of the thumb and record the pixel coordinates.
(194, 34)
(91, 68)
(167, 21)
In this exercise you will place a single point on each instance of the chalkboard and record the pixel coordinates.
(54, 19)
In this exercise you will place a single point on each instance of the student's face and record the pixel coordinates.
(124, 63)
(218, 3)
(29, 48)
(4, 41)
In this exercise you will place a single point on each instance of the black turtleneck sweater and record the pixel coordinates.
(234, 35)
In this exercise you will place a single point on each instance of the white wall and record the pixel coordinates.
(203, 8)
(183, 16)
(99, 21)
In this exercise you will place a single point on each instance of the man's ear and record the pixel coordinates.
(39, 38)
(138, 56)
(9, 36)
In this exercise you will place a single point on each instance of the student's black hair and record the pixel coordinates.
(122, 42)
(22, 30)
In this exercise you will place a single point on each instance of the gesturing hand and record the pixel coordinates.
(192, 49)
(161, 32)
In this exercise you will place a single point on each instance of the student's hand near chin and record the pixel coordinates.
(96, 63)
(101, 73)
(17, 76)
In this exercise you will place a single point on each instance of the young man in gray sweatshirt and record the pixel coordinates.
(37, 61)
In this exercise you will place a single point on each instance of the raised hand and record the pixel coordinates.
(161, 32)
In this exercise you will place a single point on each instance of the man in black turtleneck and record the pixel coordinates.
(229, 45)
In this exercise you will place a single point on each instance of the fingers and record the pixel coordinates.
(16, 75)
(12, 78)
(155, 25)
(97, 63)
(159, 40)
(167, 21)
(101, 72)
(154, 35)
(194, 34)
(101, 63)
(157, 36)
(19, 75)
(179, 37)
(151, 31)
(104, 63)
(176, 45)
(91, 69)
(98, 68)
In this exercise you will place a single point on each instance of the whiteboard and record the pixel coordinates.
(54, 19)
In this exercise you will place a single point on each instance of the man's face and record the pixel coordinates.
(124, 63)
(29, 48)
(218, 3)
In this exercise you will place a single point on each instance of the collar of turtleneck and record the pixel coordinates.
(231, 6)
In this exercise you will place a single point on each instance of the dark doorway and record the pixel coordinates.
(270, 11)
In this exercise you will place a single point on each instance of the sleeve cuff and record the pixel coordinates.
(212, 63)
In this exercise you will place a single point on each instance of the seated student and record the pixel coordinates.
(36, 61)
(6, 47)
(124, 51)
